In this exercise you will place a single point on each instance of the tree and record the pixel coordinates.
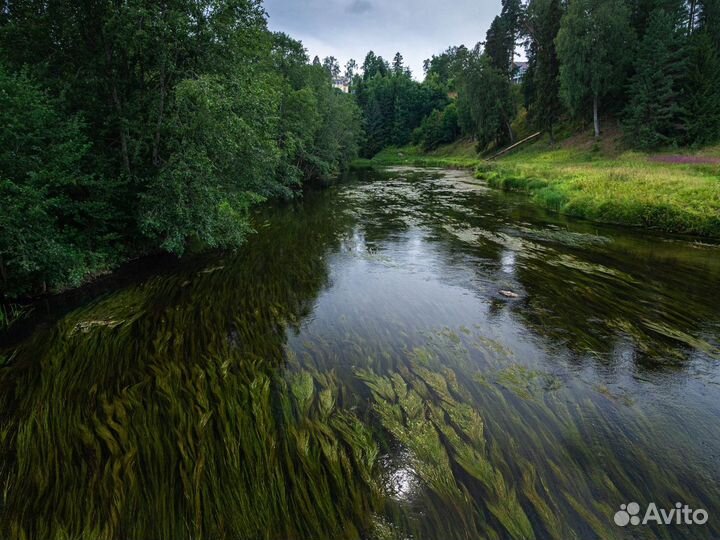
(392, 103)
(439, 127)
(398, 66)
(654, 115)
(350, 69)
(702, 90)
(512, 15)
(443, 68)
(708, 20)
(191, 112)
(498, 47)
(594, 46)
(55, 217)
(543, 25)
(374, 65)
(332, 66)
(485, 101)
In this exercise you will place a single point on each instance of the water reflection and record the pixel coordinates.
(357, 372)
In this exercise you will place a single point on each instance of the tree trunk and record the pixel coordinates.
(691, 21)
(596, 118)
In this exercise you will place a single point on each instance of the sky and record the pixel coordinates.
(350, 28)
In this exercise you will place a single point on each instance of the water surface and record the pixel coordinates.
(407, 354)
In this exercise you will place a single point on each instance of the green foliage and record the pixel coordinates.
(392, 103)
(54, 224)
(440, 127)
(143, 125)
(654, 114)
(486, 106)
(222, 162)
(543, 22)
(443, 68)
(594, 46)
(702, 90)
(498, 45)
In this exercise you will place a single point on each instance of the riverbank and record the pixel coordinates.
(674, 192)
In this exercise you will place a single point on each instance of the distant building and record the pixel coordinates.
(342, 84)
(519, 72)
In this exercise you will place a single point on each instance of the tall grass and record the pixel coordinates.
(629, 189)
(12, 313)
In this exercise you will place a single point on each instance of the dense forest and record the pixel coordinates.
(133, 126)
(653, 64)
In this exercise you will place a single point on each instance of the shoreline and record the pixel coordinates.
(671, 193)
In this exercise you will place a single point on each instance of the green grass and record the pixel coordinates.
(625, 188)
(459, 155)
(594, 181)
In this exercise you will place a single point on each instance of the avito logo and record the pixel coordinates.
(629, 514)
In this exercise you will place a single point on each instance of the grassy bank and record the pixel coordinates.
(460, 155)
(677, 192)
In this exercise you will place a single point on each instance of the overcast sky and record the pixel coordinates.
(350, 28)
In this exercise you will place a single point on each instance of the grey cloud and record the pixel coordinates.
(350, 28)
(359, 7)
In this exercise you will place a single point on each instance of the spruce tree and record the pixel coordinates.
(544, 18)
(708, 20)
(398, 65)
(512, 16)
(497, 46)
(702, 90)
(653, 116)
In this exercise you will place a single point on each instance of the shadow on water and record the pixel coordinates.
(406, 355)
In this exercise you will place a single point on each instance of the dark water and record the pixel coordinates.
(405, 355)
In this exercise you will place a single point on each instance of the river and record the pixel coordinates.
(406, 354)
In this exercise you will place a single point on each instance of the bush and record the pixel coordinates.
(440, 127)
(53, 213)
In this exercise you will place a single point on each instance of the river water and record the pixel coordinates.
(407, 354)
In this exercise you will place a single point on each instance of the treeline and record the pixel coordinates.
(136, 125)
(393, 104)
(653, 64)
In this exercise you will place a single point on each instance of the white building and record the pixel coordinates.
(342, 84)
(519, 71)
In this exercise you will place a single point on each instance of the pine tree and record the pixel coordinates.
(643, 9)
(654, 115)
(544, 18)
(708, 20)
(497, 46)
(397, 65)
(702, 90)
(512, 16)
(375, 129)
